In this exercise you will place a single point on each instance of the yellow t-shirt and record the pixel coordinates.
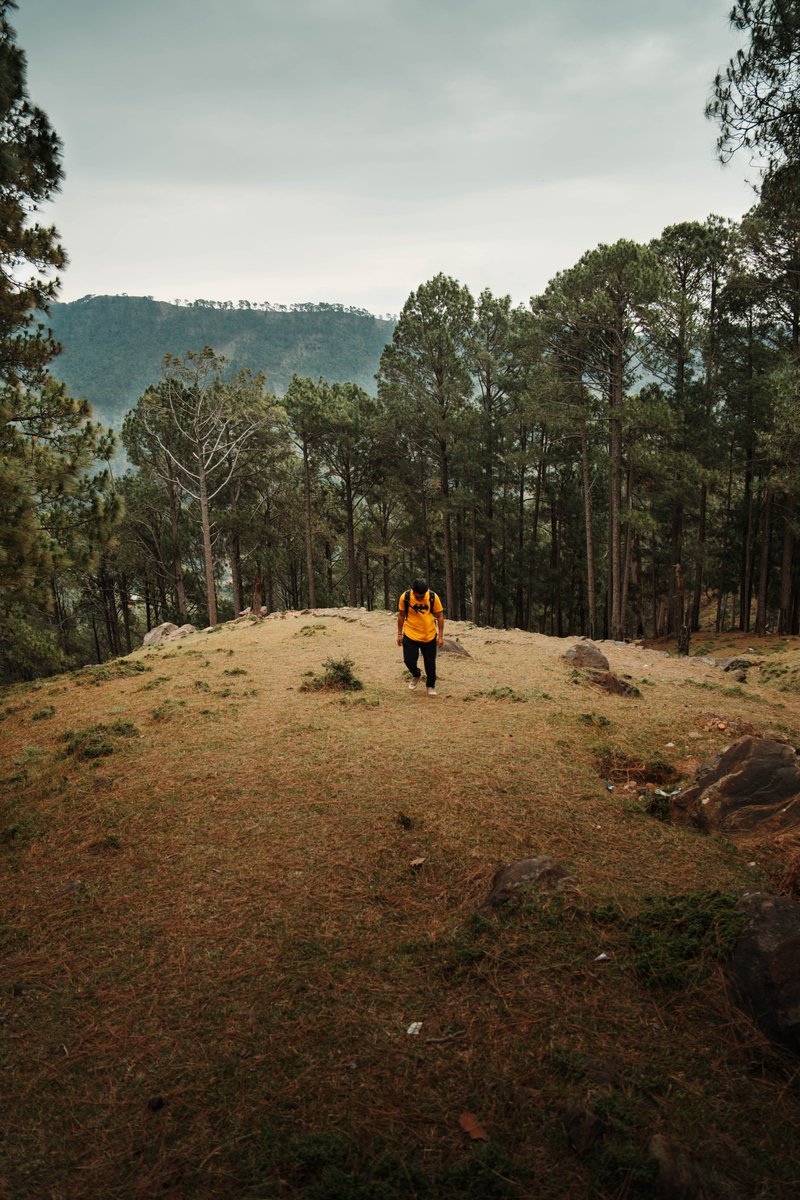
(420, 623)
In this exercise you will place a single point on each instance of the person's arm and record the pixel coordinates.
(440, 622)
(401, 616)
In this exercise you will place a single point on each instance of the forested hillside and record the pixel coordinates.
(113, 346)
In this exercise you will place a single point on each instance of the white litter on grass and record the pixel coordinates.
(414, 1028)
(603, 958)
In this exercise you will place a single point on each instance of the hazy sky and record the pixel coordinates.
(348, 150)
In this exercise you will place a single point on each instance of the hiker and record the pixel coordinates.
(419, 612)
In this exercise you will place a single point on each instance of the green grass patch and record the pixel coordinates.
(594, 720)
(329, 1165)
(117, 668)
(337, 676)
(152, 684)
(168, 709)
(96, 741)
(44, 714)
(500, 693)
(674, 939)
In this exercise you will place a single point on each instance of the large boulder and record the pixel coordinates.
(167, 632)
(514, 884)
(154, 637)
(751, 789)
(585, 654)
(764, 971)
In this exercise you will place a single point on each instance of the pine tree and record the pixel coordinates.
(757, 98)
(30, 174)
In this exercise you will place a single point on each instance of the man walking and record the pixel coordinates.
(419, 613)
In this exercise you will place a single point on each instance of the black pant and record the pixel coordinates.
(411, 651)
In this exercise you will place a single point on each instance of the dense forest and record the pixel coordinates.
(113, 346)
(618, 457)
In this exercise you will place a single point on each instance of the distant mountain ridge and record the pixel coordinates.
(113, 346)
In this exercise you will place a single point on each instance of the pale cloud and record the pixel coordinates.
(345, 150)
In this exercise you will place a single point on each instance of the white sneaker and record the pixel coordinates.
(414, 683)
(432, 691)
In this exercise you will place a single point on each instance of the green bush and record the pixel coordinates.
(337, 677)
(27, 652)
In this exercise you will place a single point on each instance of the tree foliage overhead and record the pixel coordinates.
(756, 99)
(30, 253)
(56, 509)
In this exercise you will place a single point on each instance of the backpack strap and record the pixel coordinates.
(432, 600)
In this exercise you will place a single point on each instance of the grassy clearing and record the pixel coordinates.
(216, 938)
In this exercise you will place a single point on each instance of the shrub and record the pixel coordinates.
(337, 677)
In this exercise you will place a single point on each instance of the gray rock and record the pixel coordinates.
(155, 637)
(512, 885)
(585, 654)
(764, 971)
(753, 786)
(182, 632)
(451, 646)
(611, 683)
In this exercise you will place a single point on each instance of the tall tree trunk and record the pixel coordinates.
(97, 650)
(329, 569)
(534, 538)
(700, 558)
(748, 553)
(177, 563)
(519, 606)
(626, 571)
(763, 574)
(474, 558)
(235, 556)
(615, 485)
(110, 610)
(257, 598)
(488, 549)
(675, 603)
(312, 587)
(58, 613)
(351, 541)
(449, 573)
(208, 554)
(385, 565)
(555, 567)
(124, 598)
(591, 593)
(787, 562)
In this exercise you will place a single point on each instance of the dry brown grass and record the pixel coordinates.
(215, 940)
